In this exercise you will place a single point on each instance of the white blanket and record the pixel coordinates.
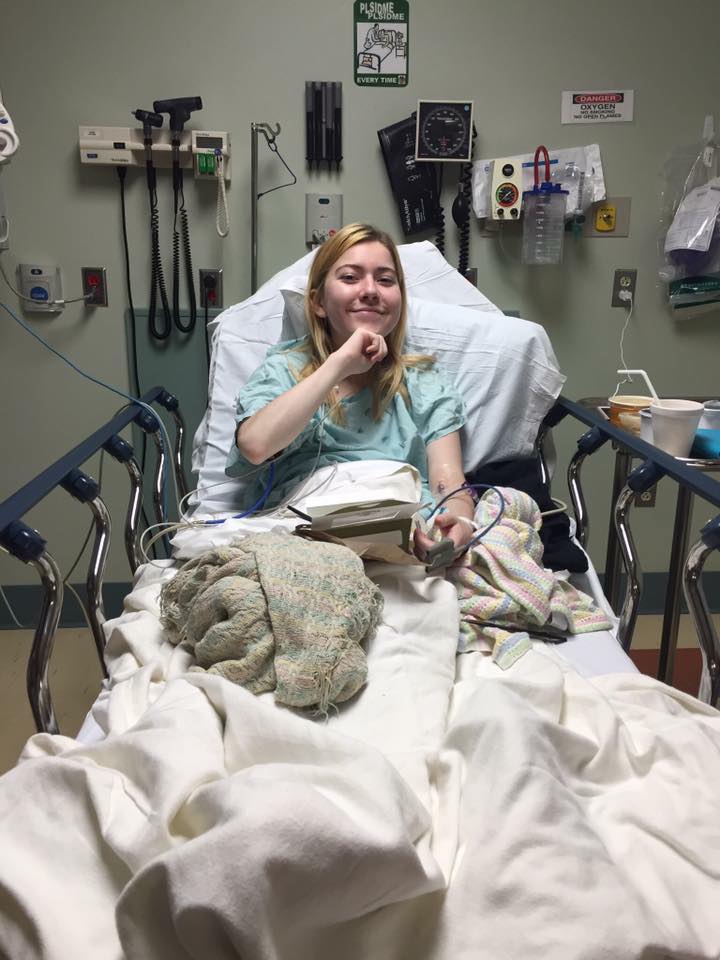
(440, 816)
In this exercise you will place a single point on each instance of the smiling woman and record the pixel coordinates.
(347, 391)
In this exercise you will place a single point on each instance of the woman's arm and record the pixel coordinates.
(445, 473)
(271, 429)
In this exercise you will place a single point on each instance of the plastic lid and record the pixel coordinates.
(545, 187)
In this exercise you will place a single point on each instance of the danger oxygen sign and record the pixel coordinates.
(596, 106)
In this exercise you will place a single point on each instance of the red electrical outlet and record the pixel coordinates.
(94, 285)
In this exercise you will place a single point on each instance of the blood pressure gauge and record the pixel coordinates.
(444, 130)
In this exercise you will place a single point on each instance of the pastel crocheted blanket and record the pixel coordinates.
(503, 580)
(275, 612)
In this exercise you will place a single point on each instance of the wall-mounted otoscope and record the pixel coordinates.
(179, 111)
(157, 281)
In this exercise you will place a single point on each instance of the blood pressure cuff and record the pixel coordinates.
(560, 551)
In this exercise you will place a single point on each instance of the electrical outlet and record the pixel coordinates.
(647, 498)
(211, 291)
(94, 286)
(623, 291)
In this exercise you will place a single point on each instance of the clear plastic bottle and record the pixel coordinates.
(543, 224)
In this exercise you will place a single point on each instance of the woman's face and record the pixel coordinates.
(361, 291)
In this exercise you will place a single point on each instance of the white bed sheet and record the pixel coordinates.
(451, 810)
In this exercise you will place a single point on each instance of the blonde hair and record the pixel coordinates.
(388, 377)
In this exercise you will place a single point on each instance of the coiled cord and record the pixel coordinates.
(222, 215)
(192, 301)
(461, 210)
(440, 235)
(157, 278)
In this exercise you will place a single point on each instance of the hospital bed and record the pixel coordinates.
(565, 806)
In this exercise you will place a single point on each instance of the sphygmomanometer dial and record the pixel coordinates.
(443, 130)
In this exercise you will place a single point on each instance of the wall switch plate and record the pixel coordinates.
(41, 287)
(623, 291)
(608, 218)
(94, 286)
(211, 288)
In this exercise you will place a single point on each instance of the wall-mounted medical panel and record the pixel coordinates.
(123, 146)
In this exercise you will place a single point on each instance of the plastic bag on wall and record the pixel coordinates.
(689, 236)
(578, 170)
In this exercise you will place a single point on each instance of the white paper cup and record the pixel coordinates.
(674, 425)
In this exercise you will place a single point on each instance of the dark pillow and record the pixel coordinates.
(560, 552)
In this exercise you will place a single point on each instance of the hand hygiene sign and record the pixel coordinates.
(381, 42)
(596, 106)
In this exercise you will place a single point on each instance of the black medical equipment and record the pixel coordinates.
(179, 111)
(323, 124)
(413, 185)
(416, 186)
(157, 278)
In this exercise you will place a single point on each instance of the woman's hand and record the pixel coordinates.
(457, 529)
(361, 351)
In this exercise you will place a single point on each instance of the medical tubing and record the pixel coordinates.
(482, 533)
(248, 473)
(165, 439)
(258, 503)
(536, 171)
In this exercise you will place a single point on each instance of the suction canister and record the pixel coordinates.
(543, 219)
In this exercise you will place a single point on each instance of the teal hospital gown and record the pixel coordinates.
(401, 434)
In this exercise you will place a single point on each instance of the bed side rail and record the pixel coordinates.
(686, 563)
(29, 546)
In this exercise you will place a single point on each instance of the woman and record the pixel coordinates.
(347, 392)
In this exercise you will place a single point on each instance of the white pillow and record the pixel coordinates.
(504, 368)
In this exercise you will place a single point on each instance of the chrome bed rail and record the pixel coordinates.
(686, 563)
(29, 546)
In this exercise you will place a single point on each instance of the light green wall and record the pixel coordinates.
(63, 64)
